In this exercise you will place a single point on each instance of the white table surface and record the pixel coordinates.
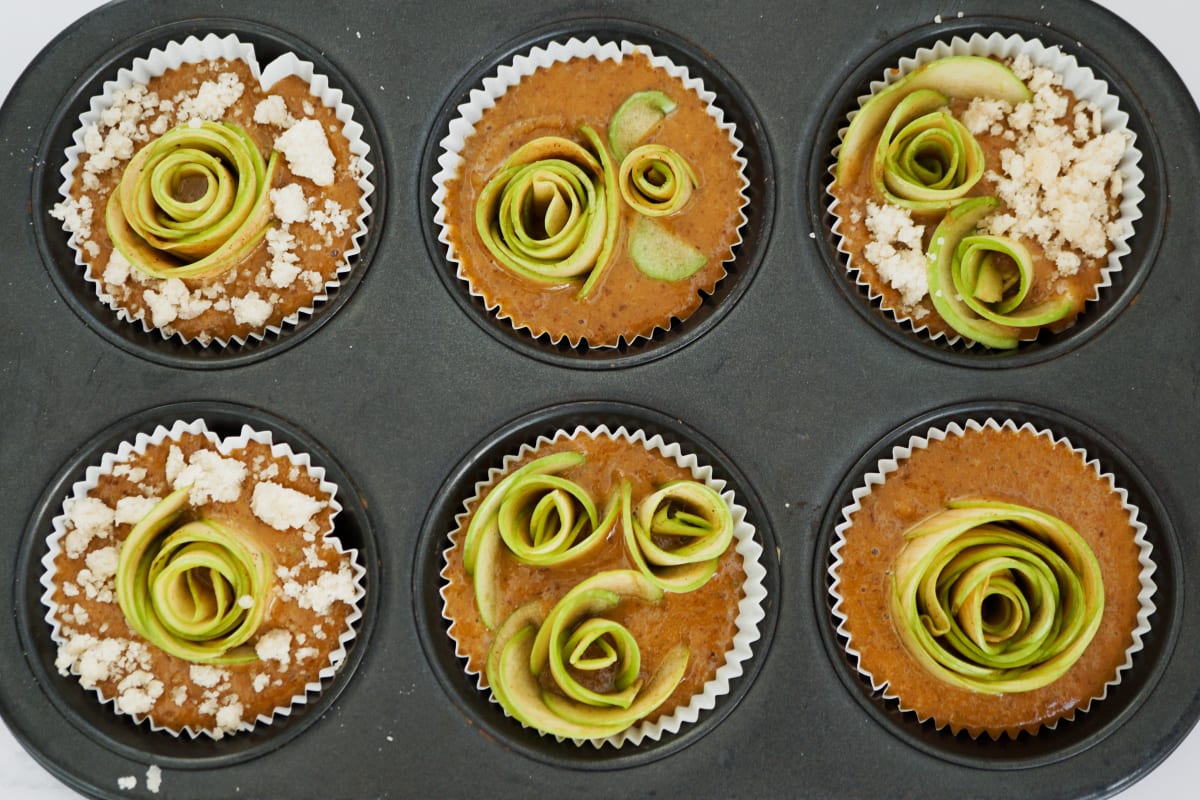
(31, 25)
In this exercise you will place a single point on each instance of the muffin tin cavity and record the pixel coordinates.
(755, 232)
(1068, 737)
(427, 583)
(98, 721)
(60, 259)
(1098, 314)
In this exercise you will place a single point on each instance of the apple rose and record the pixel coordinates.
(995, 597)
(198, 590)
(192, 203)
(593, 662)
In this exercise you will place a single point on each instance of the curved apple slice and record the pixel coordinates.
(543, 519)
(994, 293)
(635, 118)
(958, 223)
(611, 212)
(520, 694)
(660, 254)
(688, 510)
(540, 215)
(489, 507)
(955, 76)
(575, 637)
(996, 597)
(652, 695)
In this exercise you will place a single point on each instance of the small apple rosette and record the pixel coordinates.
(603, 586)
(195, 583)
(211, 199)
(985, 190)
(991, 579)
(596, 214)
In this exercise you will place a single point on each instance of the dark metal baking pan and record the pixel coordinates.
(793, 385)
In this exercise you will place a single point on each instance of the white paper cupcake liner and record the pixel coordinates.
(508, 75)
(226, 447)
(195, 51)
(1080, 80)
(750, 607)
(887, 466)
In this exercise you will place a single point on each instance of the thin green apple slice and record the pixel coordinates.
(489, 507)
(564, 622)
(954, 76)
(482, 543)
(926, 160)
(594, 595)
(540, 215)
(696, 501)
(574, 637)
(520, 694)
(542, 515)
(996, 597)
(527, 616)
(635, 118)
(660, 254)
(611, 213)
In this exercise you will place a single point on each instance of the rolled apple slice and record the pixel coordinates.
(550, 213)
(706, 519)
(546, 520)
(963, 273)
(994, 288)
(192, 203)
(959, 223)
(656, 181)
(543, 519)
(575, 637)
(198, 591)
(955, 76)
(926, 160)
(995, 597)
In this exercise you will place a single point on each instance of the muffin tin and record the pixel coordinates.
(787, 380)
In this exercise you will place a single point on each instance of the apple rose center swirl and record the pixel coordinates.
(678, 534)
(197, 590)
(926, 159)
(995, 597)
(543, 519)
(550, 213)
(193, 203)
(656, 181)
(535, 668)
